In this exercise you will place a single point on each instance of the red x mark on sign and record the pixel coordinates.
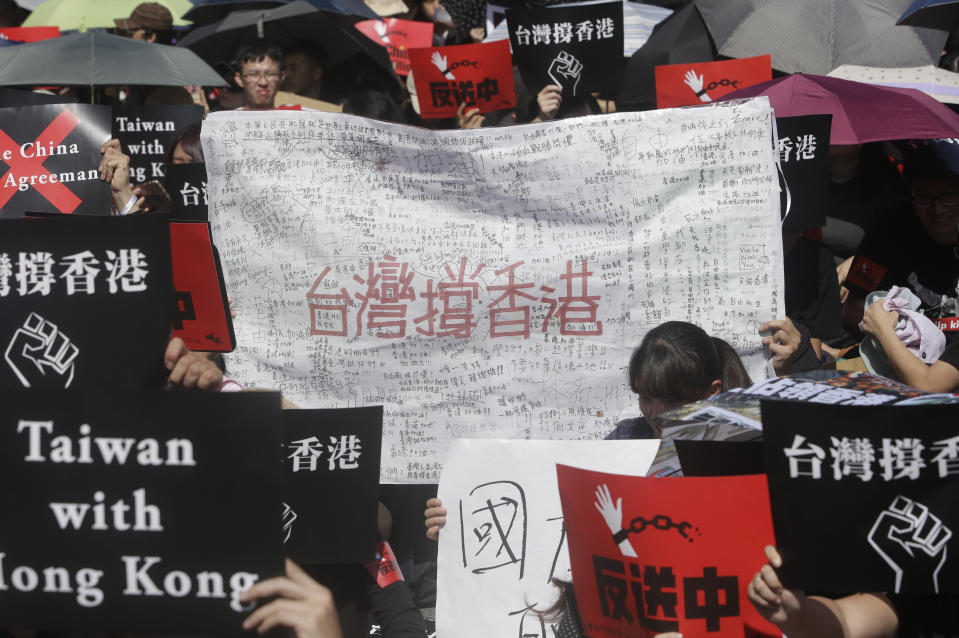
(55, 192)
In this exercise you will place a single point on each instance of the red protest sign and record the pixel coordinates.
(865, 274)
(479, 75)
(698, 82)
(202, 318)
(29, 34)
(654, 555)
(398, 37)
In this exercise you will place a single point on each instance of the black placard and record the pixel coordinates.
(720, 458)
(178, 487)
(803, 149)
(331, 462)
(51, 159)
(864, 498)
(16, 97)
(85, 302)
(186, 184)
(146, 133)
(577, 47)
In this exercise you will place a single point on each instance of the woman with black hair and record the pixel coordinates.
(676, 363)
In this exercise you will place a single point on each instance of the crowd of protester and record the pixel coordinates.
(895, 209)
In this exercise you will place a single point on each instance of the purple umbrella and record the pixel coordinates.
(860, 112)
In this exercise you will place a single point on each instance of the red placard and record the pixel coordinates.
(864, 273)
(679, 559)
(29, 34)
(479, 75)
(202, 318)
(398, 37)
(699, 82)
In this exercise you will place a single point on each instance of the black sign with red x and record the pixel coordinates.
(50, 158)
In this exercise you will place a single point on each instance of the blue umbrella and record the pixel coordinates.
(932, 14)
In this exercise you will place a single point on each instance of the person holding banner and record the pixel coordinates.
(259, 73)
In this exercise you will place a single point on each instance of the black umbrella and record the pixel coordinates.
(217, 42)
(97, 58)
(932, 14)
(207, 11)
(681, 38)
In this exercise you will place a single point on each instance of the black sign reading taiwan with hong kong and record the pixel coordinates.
(578, 48)
(85, 302)
(51, 156)
(478, 75)
(147, 511)
(331, 463)
(865, 498)
(146, 134)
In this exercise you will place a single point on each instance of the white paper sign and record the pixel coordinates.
(491, 282)
(504, 537)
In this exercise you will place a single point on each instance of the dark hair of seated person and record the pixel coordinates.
(677, 362)
(734, 372)
(189, 138)
(372, 104)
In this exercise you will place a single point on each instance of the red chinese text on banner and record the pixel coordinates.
(202, 317)
(699, 82)
(479, 75)
(654, 555)
(29, 34)
(398, 37)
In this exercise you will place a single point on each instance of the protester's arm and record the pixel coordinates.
(790, 347)
(435, 518)
(302, 604)
(842, 270)
(549, 100)
(191, 370)
(938, 377)
(799, 616)
(115, 169)
(393, 609)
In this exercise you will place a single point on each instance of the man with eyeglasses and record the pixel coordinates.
(915, 249)
(259, 72)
